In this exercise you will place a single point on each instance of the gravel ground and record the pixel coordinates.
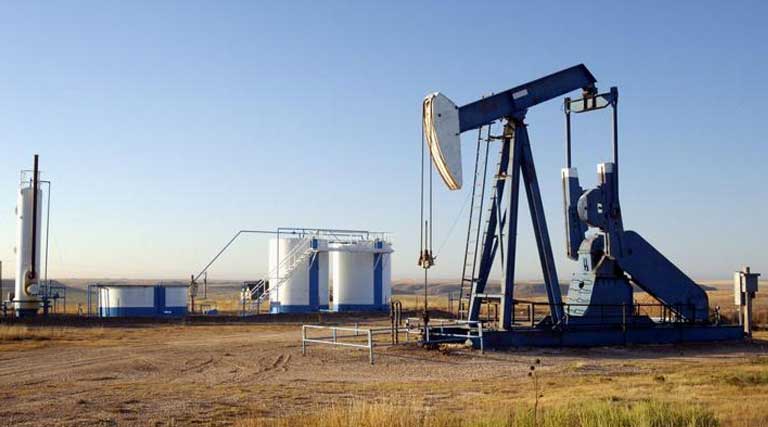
(171, 374)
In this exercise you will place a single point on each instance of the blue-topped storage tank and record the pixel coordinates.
(142, 300)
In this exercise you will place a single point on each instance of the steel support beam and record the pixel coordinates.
(513, 175)
(490, 242)
(539, 221)
(517, 100)
(516, 161)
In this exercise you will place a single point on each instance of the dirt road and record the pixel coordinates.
(218, 374)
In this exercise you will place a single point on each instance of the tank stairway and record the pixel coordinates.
(296, 257)
(469, 269)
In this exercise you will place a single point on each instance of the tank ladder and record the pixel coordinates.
(469, 269)
(295, 258)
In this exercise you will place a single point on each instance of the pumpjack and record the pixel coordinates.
(600, 308)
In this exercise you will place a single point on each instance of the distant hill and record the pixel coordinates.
(522, 289)
(76, 288)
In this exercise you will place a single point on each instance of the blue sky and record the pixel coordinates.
(167, 126)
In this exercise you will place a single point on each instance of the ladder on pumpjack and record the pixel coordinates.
(469, 269)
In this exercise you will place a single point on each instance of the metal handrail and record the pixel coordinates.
(293, 260)
(334, 338)
(667, 314)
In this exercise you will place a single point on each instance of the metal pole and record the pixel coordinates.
(480, 333)
(32, 275)
(748, 315)
(303, 340)
(392, 322)
(539, 222)
(489, 239)
(205, 269)
(531, 311)
(508, 263)
(370, 346)
(615, 121)
(47, 232)
(568, 133)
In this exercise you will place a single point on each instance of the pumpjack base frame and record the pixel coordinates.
(605, 336)
(611, 337)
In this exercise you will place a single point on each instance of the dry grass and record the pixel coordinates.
(747, 379)
(600, 392)
(22, 337)
(14, 333)
(599, 413)
(254, 376)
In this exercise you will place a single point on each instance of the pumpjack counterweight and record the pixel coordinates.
(600, 308)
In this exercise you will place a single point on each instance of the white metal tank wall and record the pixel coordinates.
(386, 274)
(175, 300)
(25, 297)
(352, 280)
(303, 288)
(323, 292)
(132, 301)
(116, 301)
(362, 276)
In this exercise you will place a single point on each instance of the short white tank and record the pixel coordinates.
(142, 300)
(25, 300)
(361, 276)
(298, 275)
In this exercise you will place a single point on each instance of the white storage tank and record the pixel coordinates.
(142, 300)
(298, 275)
(362, 276)
(25, 300)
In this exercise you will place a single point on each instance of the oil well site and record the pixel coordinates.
(544, 268)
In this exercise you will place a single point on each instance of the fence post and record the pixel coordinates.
(303, 340)
(480, 334)
(333, 332)
(531, 310)
(370, 346)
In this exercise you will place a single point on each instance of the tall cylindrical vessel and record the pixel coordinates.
(25, 299)
(298, 275)
(361, 276)
(383, 268)
(323, 273)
